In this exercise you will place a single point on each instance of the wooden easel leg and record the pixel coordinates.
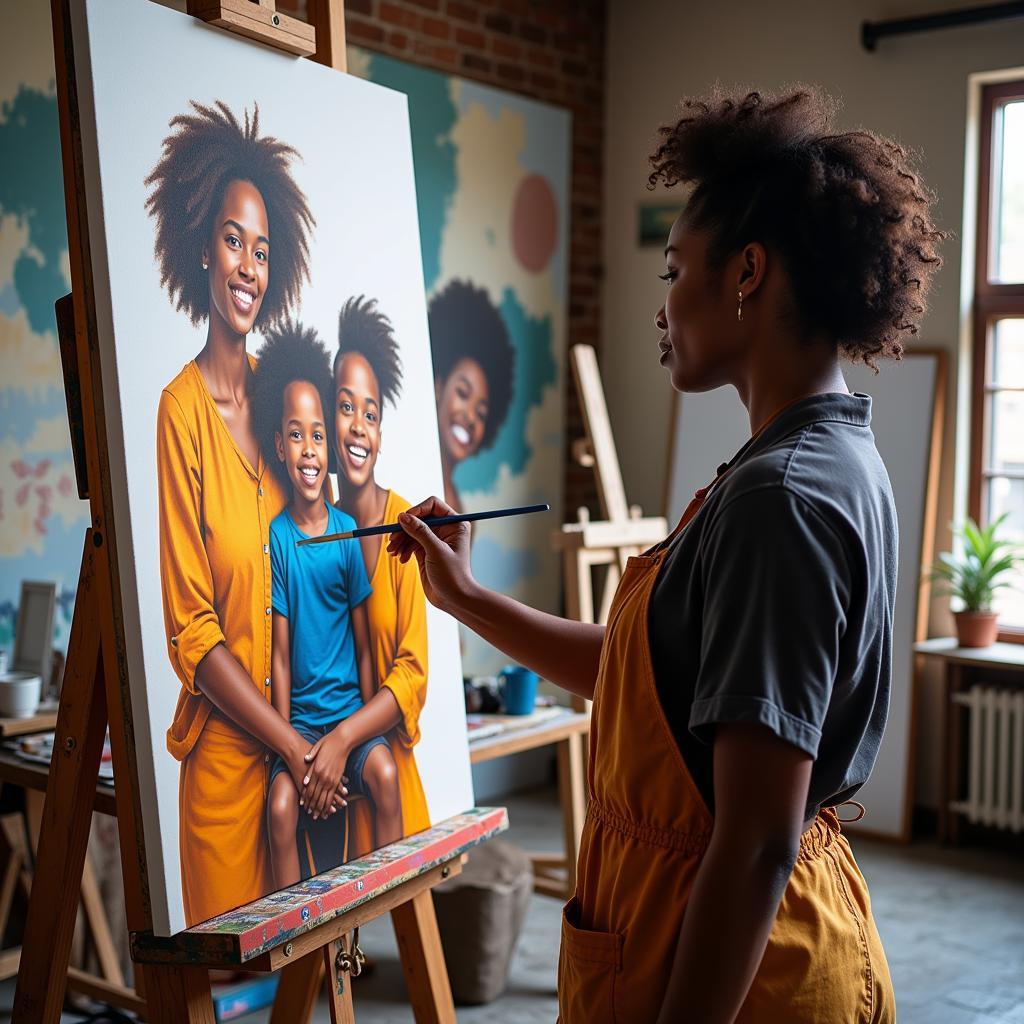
(572, 793)
(81, 725)
(177, 994)
(297, 991)
(419, 944)
(339, 983)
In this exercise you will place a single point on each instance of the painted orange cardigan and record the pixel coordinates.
(215, 513)
(397, 610)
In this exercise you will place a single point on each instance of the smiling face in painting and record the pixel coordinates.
(356, 418)
(237, 257)
(302, 440)
(462, 409)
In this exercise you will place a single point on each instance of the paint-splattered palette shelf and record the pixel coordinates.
(241, 935)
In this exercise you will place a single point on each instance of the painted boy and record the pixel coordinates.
(322, 666)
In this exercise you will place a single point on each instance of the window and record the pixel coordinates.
(997, 430)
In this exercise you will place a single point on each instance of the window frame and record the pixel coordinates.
(992, 301)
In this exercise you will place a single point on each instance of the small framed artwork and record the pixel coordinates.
(33, 638)
(654, 222)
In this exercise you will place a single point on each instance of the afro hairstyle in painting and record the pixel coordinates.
(846, 211)
(364, 330)
(465, 324)
(290, 353)
(206, 151)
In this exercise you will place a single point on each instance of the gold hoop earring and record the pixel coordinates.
(739, 308)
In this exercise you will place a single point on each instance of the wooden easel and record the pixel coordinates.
(624, 532)
(172, 975)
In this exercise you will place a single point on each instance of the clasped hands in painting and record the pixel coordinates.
(318, 772)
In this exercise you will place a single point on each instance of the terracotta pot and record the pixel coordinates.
(976, 629)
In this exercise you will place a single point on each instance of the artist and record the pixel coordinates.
(473, 365)
(368, 376)
(227, 210)
(741, 685)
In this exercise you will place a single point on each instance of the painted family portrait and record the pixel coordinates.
(300, 702)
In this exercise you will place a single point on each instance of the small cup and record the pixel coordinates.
(518, 690)
(19, 694)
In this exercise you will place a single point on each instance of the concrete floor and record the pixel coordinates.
(952, 922)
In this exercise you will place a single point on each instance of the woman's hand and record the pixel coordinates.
(298, 760)
(442, 552)
(325, 773)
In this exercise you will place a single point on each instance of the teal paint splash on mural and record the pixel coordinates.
(536, 369)
(32, 189)
(432, 116)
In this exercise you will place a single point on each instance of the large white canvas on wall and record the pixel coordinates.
(246, 203)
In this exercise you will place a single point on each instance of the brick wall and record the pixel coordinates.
(551, 50)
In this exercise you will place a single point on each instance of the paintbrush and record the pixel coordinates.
(465, 517)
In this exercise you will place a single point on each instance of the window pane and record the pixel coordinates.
(1008, 353)
(1008, 496)
(1008, 195)
(1006, 450)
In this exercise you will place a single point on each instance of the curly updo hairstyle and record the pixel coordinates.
(205, 153)
(465, 324)
(846, 211)
(364, 330)
(290, 352)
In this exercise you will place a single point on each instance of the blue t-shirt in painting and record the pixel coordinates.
(315, 587)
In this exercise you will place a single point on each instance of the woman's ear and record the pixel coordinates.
(205, 258)
(279, 445)
(753, 265)
(438, 388)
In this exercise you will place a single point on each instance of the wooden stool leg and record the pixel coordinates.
(99, 926)
(572, 793)
(178, 994)
(81, 725)
(297, 991)
(339, 983)
(419, 944)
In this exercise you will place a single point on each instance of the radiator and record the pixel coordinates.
(995, 757)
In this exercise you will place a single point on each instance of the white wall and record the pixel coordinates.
(913, 88)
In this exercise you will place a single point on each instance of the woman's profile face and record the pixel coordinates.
(462, 408)
(699, 343)
(356, 418)
(237, 257)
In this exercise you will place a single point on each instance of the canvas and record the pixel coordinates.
(267, 377)
(492, 185)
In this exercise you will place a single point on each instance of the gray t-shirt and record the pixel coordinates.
(775, 604)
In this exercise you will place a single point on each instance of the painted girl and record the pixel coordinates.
(473, 364)
(232, 247)
(367, 375)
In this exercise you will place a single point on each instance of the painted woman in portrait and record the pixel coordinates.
(368, 376)
(232, 231)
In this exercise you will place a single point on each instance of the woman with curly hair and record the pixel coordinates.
(232, 248)
(473, 363)
(741, 685)
(368, 376)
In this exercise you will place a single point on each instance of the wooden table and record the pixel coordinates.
(961, 668)
(109, 986)
(554, 874)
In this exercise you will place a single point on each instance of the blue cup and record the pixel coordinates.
(518, 689)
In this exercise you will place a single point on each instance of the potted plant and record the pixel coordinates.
(974, 576)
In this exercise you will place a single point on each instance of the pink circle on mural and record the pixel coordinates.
(534, 223)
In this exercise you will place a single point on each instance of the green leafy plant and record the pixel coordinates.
(979, 572)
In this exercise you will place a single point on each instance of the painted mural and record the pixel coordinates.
(42, 519)
(492, 189)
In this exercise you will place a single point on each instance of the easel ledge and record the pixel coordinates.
(303, 929)
(266, 927)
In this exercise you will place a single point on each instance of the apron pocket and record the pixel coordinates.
(588, 966)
